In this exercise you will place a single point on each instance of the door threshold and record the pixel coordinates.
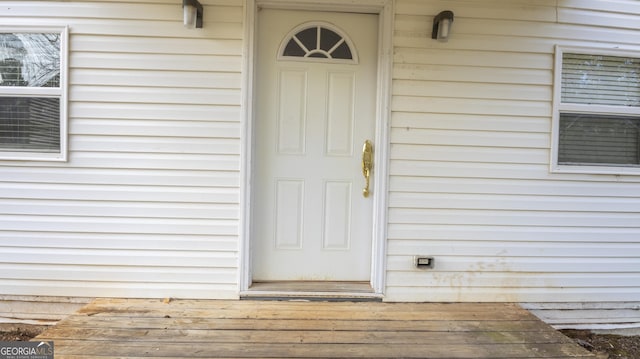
(311, 291)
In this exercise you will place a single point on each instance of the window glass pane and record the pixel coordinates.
(309, 38)
(342, 52)
(30, 123)
(598, 139)
(600, 80)
(30, 59)
(293, 49)
(328, 39)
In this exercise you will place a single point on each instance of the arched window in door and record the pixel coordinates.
(317, 41)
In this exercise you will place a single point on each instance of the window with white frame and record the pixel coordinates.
(33, 93)
(318, 42)
(596, 118)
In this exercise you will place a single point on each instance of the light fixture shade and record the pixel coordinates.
(192, 14)
(442, 25)
(443, 29)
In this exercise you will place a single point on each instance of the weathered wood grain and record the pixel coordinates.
(117, 328)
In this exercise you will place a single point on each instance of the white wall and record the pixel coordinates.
(470, 179)
(147, 205)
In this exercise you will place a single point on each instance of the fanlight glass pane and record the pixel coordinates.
(293, 49)
(342, 52)
(308, 37)
(328, 39)
(592, 139)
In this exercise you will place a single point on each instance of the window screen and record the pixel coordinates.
(600, 80)
(30, 123)
(598, 139)
(31, 93)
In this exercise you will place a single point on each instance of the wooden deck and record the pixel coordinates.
(126, 328)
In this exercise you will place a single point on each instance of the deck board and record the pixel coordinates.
(127, 328)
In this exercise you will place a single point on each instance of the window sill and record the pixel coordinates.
(596, 170)
(32, 156)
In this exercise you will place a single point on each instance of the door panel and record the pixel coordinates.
(310, 219)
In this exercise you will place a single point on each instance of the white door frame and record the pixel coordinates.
(384, 9)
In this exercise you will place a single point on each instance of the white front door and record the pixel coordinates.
(316, 94)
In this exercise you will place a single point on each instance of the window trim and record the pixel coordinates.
(559, 107)
(61, 93)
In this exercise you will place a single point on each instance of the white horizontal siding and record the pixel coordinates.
(148, 203)
(469, 167)
(584, 315)
(135, 177)
(123, 241)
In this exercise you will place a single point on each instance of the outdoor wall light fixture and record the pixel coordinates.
(442, 25)
(192, 14)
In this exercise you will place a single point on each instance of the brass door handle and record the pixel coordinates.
(367, 165)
